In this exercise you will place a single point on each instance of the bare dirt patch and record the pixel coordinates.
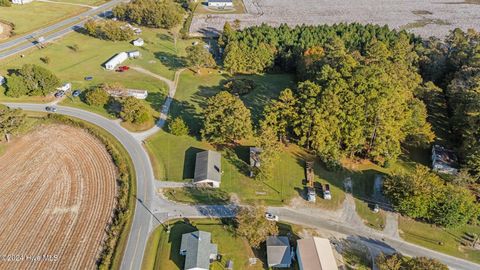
(5, 30)
(57, 191)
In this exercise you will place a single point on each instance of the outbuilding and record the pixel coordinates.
(21, 2)
(133, 54)
(116, 60)
(2, 80)
(220, 3)
(139, 42)
(208, 169)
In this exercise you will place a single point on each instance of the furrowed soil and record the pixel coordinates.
(57, 194)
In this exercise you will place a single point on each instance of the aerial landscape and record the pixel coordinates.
(240, 134)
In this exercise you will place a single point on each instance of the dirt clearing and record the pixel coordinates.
(57, 190)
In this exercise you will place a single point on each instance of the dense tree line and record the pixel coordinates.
(150, 13)
(353, 104)
(5, 3)
(260, 48)
(108, 30)
(422, 194)
(31, 80)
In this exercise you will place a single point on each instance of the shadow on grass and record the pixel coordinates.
(171, 61)
(187, 112)
(235, 160)
(189, 162)
(156, 100)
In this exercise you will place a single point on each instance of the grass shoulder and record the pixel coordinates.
(373, 220)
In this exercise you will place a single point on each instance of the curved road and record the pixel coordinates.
(142, 222)
(151, 210)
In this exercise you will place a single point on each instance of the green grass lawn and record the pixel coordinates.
(371, 219)
(194, 195)
(32, 16)
(84, 2)
(162, 252)
(430, 236)
(238, 7)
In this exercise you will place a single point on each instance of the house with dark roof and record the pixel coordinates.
(198, 250)
(315, 254)
(208, 169)
(279, 252)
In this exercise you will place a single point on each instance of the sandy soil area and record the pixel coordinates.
(423, 17)
(57, 190)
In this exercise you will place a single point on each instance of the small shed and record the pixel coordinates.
(133, 54)
(139, 42)
(279, 252)
(208, 168)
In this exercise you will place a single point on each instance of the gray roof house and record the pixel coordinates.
(198, 250)
(279, 253)
(208, 168)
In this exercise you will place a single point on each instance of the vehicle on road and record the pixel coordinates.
(311, 194)
(326, 194)
(76, 93)
(271, 217)
(51, 109)
(59, 94)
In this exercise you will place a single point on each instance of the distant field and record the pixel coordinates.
(84, 2)
(32, 16)
(423, 17)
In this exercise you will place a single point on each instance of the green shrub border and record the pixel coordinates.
(119, 226)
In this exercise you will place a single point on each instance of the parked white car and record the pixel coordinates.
(271, 217)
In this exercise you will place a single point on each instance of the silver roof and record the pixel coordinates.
(198, 249)
(208, 166)
(278, 251)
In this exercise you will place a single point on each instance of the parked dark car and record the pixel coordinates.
(76, 93)
(50, 109)
(59, 94)
(88, 78)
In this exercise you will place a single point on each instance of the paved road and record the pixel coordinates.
(25, 42)
(151, 210)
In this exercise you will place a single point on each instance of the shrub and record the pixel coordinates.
(239, 86)
(96, 97)
(178, 127)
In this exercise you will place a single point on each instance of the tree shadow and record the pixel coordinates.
(189, 162)
(156, 100)
(232, 157)
(189, 114)
(171, 61)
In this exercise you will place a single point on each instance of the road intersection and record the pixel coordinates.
(152, 209)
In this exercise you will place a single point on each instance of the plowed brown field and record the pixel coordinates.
(57, 190)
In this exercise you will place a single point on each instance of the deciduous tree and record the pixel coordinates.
(252, 224)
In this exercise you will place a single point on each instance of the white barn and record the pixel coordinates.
(21, 2)
(116, 60)
(220, 3)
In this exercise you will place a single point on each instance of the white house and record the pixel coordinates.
(220, 3)
(2, 80)
(138, 42)
(21, 2)
(116, 60)
(138, 94)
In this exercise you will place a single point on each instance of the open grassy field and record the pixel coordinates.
(173, 157)
(28, 18)
(448, 241)
(162, 252)
(83, 2)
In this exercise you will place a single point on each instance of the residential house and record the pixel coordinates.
(279, 252)
(136, 93)
(220, 3)
(444, 160)
(315, 254)
(208, 169)
(21, 2)
(198, 250)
